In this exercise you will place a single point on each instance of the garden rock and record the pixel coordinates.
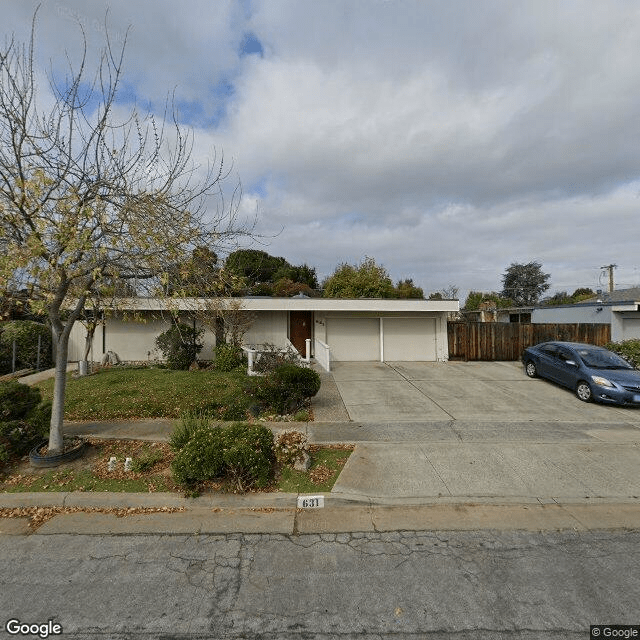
(302, 463)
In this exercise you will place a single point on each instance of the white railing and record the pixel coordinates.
(254, 352)
(252, 357)
(322, 354)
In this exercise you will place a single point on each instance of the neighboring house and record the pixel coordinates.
(338, 329)
(619, 309)
(489, 313)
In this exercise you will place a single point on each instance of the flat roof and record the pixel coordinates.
(290, 304)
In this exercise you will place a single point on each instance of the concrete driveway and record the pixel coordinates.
(476, 391)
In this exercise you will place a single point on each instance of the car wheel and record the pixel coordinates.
(530, 369)
(583, 391)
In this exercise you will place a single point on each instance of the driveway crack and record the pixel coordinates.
(426, 455)
(419, 390)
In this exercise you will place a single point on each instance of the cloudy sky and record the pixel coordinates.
(445, 138)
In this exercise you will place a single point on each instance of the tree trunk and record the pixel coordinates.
(60, 383)
(88, 341)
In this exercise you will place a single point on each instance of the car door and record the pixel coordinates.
(564, 368)
(547, 354)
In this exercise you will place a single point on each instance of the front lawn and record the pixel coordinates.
(125, 393)
(151, 471)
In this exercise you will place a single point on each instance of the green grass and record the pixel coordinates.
(125, 393)
(150, 461)
(292, 481)
(69, 480)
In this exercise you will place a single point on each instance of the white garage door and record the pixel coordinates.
(354, 338)
(409, 339)
(631, 328)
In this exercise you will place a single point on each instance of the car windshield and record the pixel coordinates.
(603, 359)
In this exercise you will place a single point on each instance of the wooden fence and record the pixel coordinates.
(505, 341)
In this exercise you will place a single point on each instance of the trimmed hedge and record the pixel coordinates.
(286, 388)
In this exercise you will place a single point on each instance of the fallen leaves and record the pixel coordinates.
(320, 474)
(39, 515)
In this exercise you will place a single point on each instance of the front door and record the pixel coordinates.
(300, 329)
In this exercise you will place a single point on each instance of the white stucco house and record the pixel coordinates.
(338, 329)
(619, 309)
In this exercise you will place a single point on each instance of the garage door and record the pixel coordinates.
(354, 338)
(630, 328)
(409, 339)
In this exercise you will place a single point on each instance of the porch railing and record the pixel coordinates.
(322, 354)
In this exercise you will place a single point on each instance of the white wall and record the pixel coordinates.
(131, 339)
(268, 326)
(561, 315)
(626, 326)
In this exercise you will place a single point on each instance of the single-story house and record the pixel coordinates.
(337, 329)
(490, 313)
(620, 309)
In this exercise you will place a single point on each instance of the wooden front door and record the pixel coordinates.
(300, 329)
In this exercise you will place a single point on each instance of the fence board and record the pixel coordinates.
(505, 341)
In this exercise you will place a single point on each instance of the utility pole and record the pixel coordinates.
(610, 268)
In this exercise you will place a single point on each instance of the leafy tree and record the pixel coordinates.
(87, 197)
(255, 265)
(286, 288)
(524, 283)
(364, 280)
(180, 345)
(477, 298)
(406, 289)
(258, 268)
(582, 293)
(562, 297)
(303, 275)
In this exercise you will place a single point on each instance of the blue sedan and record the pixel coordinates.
(592, 372)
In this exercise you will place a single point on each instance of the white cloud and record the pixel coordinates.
(445, 138)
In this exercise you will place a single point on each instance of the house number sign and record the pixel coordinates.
(310, 502)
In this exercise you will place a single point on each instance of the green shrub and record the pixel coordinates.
(180, 345)
(228, 357)
(242, 452)
(271, 356)
(146, 461)
(189, 423)
(17, 400)
(307, 381)
(286, 388)
(248, 455)
(200, 458)
(39, 417)
(628, 349)
(24, 419)
(25, 334)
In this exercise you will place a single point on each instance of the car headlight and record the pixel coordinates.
(603, 382)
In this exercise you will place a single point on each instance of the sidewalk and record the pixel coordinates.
(411, 476)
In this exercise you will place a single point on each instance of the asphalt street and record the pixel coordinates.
(466, 585)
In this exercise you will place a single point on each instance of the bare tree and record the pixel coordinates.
(88, 197)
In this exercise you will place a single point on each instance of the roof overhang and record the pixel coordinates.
(288, 304)
(628, 306)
